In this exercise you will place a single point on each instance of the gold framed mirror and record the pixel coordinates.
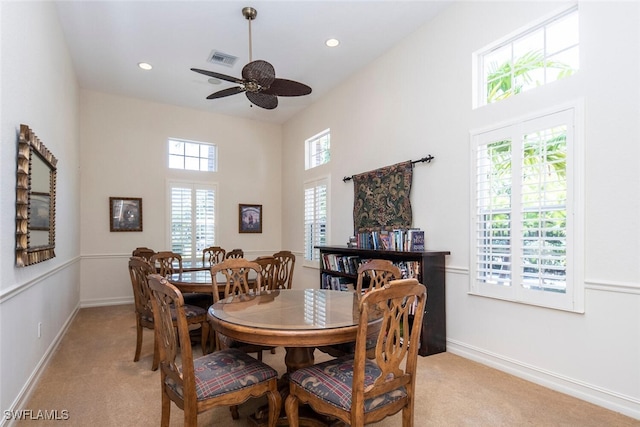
(35, 200)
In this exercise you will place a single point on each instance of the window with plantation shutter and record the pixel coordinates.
(526, 233)
(193, 219)
(315, 219)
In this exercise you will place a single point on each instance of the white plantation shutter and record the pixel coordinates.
(493, 204)
(544, 211)
(181, 220)
(523, 241)
(315, 217)
(192, 219)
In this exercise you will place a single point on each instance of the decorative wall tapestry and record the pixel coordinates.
(381, 198)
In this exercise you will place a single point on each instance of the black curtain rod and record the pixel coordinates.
(413, 162)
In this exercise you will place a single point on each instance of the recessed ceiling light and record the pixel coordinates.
(144, 65)
(214, 81)
(332, 42)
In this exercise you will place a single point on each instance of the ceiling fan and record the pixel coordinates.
(258, 81)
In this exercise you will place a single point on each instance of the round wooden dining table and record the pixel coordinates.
(297, 319)
(198, 281)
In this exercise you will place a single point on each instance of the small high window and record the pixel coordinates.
(542, 53)
(317, 149)
(194, 156)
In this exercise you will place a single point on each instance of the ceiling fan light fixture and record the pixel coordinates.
(332, 42)
(258, 82)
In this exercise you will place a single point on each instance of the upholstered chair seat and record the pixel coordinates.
(333, 382)
(223, 372)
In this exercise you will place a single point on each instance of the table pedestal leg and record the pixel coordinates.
(296, 358)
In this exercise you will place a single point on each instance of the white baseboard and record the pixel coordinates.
(613, 401)
(103, 302)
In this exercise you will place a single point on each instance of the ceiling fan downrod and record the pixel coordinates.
(250, 14)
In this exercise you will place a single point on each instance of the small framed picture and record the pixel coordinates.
(250, 218)
(125, 214)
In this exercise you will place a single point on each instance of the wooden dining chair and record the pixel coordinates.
(212, 255)
(237, 276)
(223, 378)
(167, 263)
(143, 252)
(375, 274)
(139, 271)
(270, 269)
(235, 253)
(358, 390)
(285, 272)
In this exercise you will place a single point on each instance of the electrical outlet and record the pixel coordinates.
(39, 329)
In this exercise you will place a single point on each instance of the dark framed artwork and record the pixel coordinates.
(39, 211)
(125, 214)
(250, 218)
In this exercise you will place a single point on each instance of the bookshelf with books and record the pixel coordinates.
(409, 239)
(338, 270)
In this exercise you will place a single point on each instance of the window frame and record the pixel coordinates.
(479, 91)
(573, 298)
(315, 253)
(184, 156)
(194, 186)
(311, 153)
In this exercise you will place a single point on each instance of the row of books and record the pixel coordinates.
(349, 264)
(343, 263)
(411, 239)
(337, 283)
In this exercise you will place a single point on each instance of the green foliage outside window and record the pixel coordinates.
(510, 78)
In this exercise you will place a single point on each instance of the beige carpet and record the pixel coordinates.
(93, 377)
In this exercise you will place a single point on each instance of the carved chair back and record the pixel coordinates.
(143, 252)
(270, 268)
(235, 253)
(377, 272)
(235, 275)
(213, 255)
(285, 271)
(167, 263)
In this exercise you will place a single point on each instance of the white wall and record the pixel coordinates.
(124, 154)
(38, 88)
(416, 100)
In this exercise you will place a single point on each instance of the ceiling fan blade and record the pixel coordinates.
(265, 101)
(284, 87)
(259, 71)
(225, 92)
(218, 75)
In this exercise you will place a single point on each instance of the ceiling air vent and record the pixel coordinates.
(220, 58)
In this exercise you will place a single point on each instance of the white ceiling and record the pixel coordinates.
(107, 39)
